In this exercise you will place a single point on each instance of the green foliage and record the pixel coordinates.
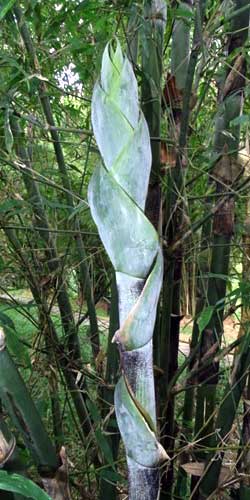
(205, 317)
(14, 342)
(21, 485)
(5, 6)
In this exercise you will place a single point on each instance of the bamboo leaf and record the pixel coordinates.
(216, 275)
(240, 120)
(78, 210)
(5, 7)
(111, 475)
(205, 317)
(101, 439)
(104, 447)
(13, 340)
(55, 204)
(13, 206)
(193, 468)
(21, 485)
(197, 469)
(183, 11)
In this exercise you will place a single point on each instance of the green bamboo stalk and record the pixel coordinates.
(182, 73)
(84, 277)
(180, 50)
(152, 35)
(108, 489)
(182, 484)
(243, 462)
(53, 385)
(117, 195)
(132, 34)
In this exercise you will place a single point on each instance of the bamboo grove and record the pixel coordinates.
(125, 246)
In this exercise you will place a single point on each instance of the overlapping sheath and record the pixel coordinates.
(117, 194)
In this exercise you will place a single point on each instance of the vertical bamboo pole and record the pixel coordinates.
(178, 93)
(108, 489)
(152, 36)
(244, 454)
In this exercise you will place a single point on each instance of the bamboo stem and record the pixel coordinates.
(108, 490)
(182, 73)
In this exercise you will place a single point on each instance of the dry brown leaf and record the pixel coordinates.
(197, 469)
